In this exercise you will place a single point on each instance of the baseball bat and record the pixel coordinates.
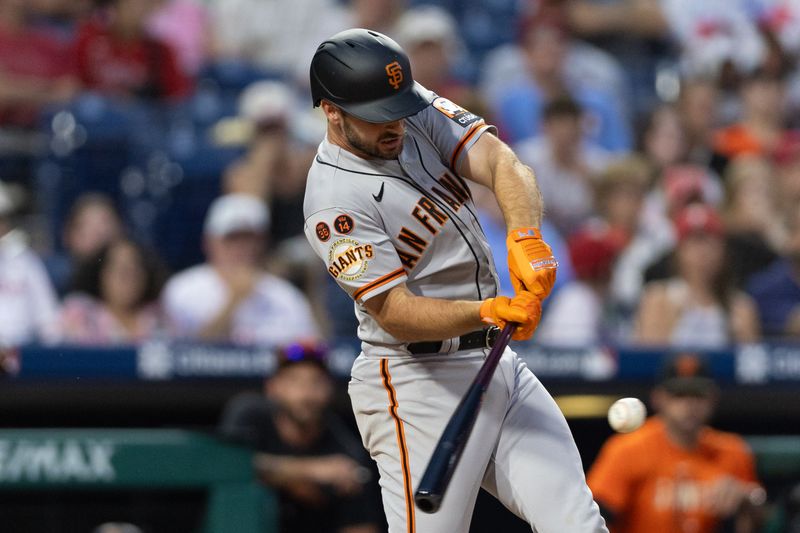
(447, 453)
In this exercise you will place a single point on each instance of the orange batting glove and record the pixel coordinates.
(530, 262)
(525, 309)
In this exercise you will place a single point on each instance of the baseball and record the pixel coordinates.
(626, 415)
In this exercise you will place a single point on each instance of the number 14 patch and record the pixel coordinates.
(343, 224)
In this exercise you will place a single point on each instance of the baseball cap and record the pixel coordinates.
(593, 249)
(687, 374)
(684, 184)
(303, 352)
(698, 218)
(425, 24)
(266, 102)
(233, 213)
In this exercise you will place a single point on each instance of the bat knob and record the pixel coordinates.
(427, 502)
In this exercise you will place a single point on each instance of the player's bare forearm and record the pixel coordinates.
(517, 193)
(408, 317)
(492, 163)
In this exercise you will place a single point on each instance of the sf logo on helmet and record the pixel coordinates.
(395, 73)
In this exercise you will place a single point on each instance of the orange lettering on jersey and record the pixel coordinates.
(423, 219)
(433, 210)
(412, 239)
(449, 200)
(456, 188)
(395, 73)
(409, 260)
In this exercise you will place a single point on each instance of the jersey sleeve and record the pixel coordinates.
(452, 129)
(356, 251)
(611, 479)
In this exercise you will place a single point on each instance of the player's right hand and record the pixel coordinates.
(525, 309)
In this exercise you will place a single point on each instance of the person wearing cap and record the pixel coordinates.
(230, 298)
(776, 289)
(676, 474)
(389, 209)
(304, 450)
(697, 307)
(581, 314)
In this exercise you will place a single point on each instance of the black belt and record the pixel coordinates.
(484, 338)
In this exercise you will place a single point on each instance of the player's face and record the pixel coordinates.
(685, 414)
(366, 139)
(302, 391)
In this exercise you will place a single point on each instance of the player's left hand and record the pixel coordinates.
(530, 262)
(525, 309)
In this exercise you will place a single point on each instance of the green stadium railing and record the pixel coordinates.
(87, 459)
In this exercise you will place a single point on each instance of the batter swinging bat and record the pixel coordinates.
(448, 450)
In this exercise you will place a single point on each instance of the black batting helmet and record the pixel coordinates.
(368, 75)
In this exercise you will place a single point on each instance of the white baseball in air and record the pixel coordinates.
(626, 415)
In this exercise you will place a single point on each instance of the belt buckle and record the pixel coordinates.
(491, 336)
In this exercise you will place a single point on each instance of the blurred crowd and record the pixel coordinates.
(153, 157)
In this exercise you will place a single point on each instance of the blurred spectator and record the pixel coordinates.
(518, 106)
(277, 37)
(754, 233)
(265, 109)
(379, 15)
(117, 57)
(580, 314)
(648, 257)
(241, 303)
(564, 164)
(619, 192)
(663, 138)
(185, 26)
(635, 32)
(697, 307)
(761, 127)
(29, 307)
(430, 37)
(714, 35)
(92, 222)
(776, 290)
(675, 473)
(619, 195)
(698, 108)
(114, 297)
(679, 186)
(35, 66)
(787, 161)
(304, 450)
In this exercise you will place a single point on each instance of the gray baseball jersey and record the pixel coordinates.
(378, 223)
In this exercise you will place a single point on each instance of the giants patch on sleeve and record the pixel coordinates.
(454, 112)
(348, 259)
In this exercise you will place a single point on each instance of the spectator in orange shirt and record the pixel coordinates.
(117, 57)
(676, 474)
(761, 128)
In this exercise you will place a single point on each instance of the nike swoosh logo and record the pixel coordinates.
(378, 197)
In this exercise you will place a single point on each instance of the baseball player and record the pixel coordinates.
(389, 210)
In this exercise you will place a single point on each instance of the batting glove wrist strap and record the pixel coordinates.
(530, 262)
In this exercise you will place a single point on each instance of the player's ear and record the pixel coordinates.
(332, 112)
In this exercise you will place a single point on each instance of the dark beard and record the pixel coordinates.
(371, 150)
